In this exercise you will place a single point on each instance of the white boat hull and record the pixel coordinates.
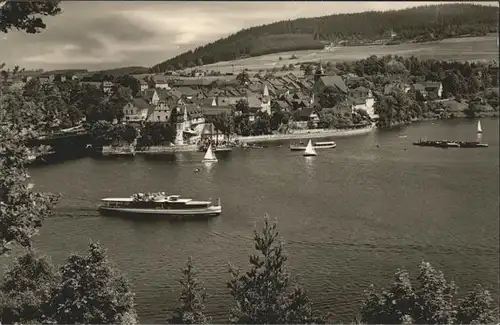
(223, 149)
(210, 211)
(302, 148)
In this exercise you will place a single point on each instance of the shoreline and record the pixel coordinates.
(429, 119)
(311, 134)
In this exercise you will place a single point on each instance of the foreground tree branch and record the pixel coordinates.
(26, 15)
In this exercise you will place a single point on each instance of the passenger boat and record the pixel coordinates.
(317, 145)
(160, 204)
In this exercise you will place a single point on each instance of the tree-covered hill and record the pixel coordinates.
(415, 24)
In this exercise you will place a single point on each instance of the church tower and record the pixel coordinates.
(320, 72)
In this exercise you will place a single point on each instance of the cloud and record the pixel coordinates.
(101, 34)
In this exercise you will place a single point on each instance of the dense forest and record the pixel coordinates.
(417, 24)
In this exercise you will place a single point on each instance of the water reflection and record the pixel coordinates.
(309, 165)
(208, 167)
(160, 157)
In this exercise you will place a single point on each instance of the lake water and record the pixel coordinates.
(349, 217)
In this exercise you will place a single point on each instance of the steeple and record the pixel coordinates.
(320, 72)
(266, 91)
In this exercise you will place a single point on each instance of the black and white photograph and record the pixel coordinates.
(249, 162)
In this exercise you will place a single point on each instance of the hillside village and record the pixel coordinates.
(304, 95)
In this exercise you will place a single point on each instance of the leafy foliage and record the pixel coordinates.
(22, 210)
(462, 80)
(25, 289)
(156, 133)
(431, 302)
(91, 291)
(26, 15)
(265, 295)
(420, 24)
(224, 123)
(329, 97)
(192, 299)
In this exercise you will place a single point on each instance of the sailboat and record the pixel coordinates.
(310, 150)
(479, 128)
(209, 155)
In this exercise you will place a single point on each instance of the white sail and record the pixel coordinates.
(209, 155)
(479, 128)
(310, 149)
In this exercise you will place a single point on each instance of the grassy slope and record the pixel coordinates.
(421, 23)
(469, 48)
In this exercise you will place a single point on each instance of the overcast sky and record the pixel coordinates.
(102, 34)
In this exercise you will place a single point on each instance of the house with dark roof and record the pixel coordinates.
(151, 96)
(188, 92)
(307, 114)
(429, 90)
(143, 84)
(160, 81)
(362, 98)
(137, 110)
(396, 86)
(334, 82)
(283, 105)
(163, 109)
(212, 108)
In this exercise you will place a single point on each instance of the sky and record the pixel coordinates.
(108, 34)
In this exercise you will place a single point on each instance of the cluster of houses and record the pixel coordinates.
(196, 99)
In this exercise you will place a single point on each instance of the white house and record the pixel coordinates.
(144, 85)
(362, 98)
(107, 86)
(151, 96)
(161, 81)
(137, 110)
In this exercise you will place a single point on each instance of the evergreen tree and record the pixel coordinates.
(431, 302)
(91, 291)
(265, 294)
(25, 289)
(192, 299)
(476, 308)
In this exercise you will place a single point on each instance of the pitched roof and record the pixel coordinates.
(187, 91)
(254, 102)
(334, 81)
(148, 94)
(283, 104)
(229, 100)
(431, 84)
(160, 79)
(212, 111)
(306, 111)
